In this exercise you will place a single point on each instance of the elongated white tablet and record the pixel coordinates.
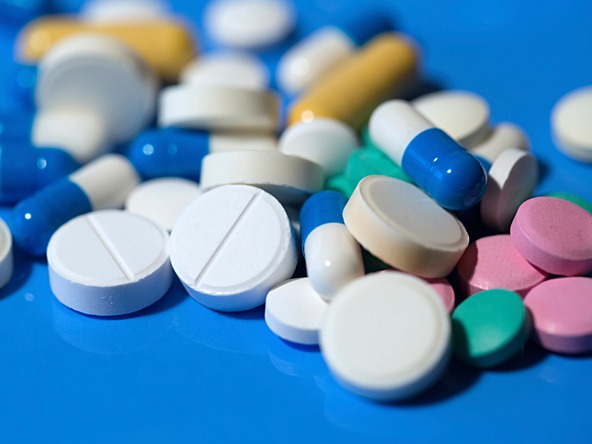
(231, 245)
(109, 263)
(290, 179)
(294, 311)
(162, 200)
(399, 224)
(505, 135)
(6, 260)
(123, 11)
(217, 108)
(463, 115)
(386, 336)
(512, 180)
(570, 122)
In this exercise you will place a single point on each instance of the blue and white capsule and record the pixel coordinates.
(441, 167)
(333, 257)
(101, 184)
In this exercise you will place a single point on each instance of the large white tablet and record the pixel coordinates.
(570, 122)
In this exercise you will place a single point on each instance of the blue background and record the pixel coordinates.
(178, 372)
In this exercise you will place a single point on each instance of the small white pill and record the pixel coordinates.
(118, 11)
(294, 311)
(505, 135)
(109, 263)
(570, 122)
(327, 142)
(249, 24)
(399, 224)
(231, 245)
(6, 260)
(162, 200)
(234, 69)
(386, 336)
(289, 179)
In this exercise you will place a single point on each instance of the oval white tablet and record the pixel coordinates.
(123, 11)
(289, 179)
(294, 311)
(162, 200)
(505, 135)
(6, 260)
(386, 336)
(570, 122)
(231, 245)
(402, 226)
(217, 108)
(109, 263)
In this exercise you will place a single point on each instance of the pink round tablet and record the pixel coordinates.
(562, 313)
(444, 289)
(554, 235)
(494, 262)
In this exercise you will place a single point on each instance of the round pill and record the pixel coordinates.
(290, 179)
(109, 263)
(399, 224)
(249, 24)
(217, 108)
(162, 200)
(562, 313)
(494, 262)
(505, 135)
(231, 245)
(294, 311)
(570, 122)
(444, 290)
(386, 336)
(554, 235)
(573, 198)
(6, 261)
(490, 327)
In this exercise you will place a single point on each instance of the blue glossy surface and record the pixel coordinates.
(15, 126)
(178, 372)
(361, 27)
(319, 209)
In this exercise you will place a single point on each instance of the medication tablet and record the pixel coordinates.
(231, 245)
(386, 336)
(570, 121)
(249, 24)
(369, 161)
(444, 290)
(162, 200)
(234, 69)
(294, 311)
(109, 263)
(505, 135)
(511, 180)
(463, 115)
(402, 226)
(327, 142)
(217, 108)
(573, 198)
(490, 327)
(241, 141)
(290, 179)
(125, 11)
(6, 261)
(562, 313)
(494, 262)
(554, 235)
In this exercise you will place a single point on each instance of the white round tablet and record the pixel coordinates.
(123, 11)
(234, 69)
(217, 108)
(231, 245)
(6, 261)
(249, 24)
(505, 135)
(289, 179)
(162, 200)
(402, 226)
(570, 122)
(294, 311)
(109, 263)
(386, 336)
(463, 115)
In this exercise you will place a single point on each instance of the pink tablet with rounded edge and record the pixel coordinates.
(562, 313)
(554, 235)
(494, 262)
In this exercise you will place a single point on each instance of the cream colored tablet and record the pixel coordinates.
(505, 135)
(6, 261)
(399, 224)
(570, 121)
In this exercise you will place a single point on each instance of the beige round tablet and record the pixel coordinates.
(570, 121)
(402, 226)
(505, 135)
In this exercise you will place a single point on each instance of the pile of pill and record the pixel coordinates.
(144, 162)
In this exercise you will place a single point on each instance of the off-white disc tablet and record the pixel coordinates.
(505, 135)
(290, 179)
(6, 261)
(402, 226)
(231, 245)
(463, 115)
(294, 311)
(217, 108)
(570, 121)
(386, 336)
(109, 263)
(162, 200)
(103, 74)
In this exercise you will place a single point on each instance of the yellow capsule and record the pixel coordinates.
(166, 46)
(385, 67)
